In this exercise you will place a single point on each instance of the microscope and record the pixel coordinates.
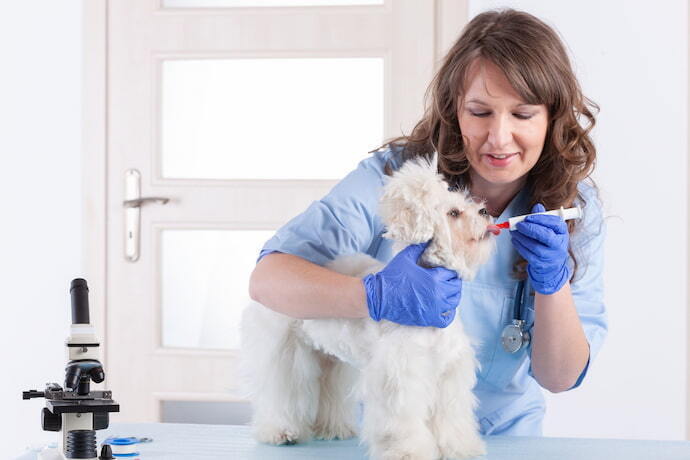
(76, 410)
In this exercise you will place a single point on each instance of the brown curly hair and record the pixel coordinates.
(536, 64)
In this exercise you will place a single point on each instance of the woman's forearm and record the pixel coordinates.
(296, 287)
(559, 346)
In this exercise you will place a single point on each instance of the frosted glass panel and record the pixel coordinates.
(259, 3)
(205, 284)
(269, 118)
(206, 412)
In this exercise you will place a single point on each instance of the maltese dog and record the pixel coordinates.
(306, 377)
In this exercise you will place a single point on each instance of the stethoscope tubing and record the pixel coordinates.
(519, 301)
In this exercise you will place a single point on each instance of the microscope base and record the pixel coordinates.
(53, 453)
(50, 453)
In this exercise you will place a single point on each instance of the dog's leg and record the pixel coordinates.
(282, 377)
(336, 417)
(398, 393)
(454, 422)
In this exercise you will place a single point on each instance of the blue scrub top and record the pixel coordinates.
(346, 221)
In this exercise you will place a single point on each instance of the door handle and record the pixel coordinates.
(132, 204)
(139, 201)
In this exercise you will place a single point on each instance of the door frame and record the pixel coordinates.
(94, 160)
(450, 17)
(687, 307)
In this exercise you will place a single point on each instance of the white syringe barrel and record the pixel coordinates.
(566, 214)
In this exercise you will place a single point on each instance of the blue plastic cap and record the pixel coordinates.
(121, 441)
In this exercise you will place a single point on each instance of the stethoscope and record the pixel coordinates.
(515, 335)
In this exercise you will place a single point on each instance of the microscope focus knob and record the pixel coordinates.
(106, 453)
(50, 421)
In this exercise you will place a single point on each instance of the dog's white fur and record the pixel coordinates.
(305, 376)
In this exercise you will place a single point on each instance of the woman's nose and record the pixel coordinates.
(500, 133)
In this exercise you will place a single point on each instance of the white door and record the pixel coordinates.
(240, 116)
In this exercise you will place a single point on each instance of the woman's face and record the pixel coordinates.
(503, 135)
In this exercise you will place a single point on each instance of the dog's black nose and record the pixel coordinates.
(483, 212)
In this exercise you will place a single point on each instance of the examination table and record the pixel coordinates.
(172, 441)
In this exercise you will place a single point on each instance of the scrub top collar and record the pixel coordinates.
(517, 206)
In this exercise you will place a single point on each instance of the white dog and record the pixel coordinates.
(305, 377)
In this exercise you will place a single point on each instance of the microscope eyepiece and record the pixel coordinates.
(79, 292)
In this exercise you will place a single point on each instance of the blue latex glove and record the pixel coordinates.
(405, 293)
(543, 241)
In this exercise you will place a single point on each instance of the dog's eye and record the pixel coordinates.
(454, 213)
(483, 212)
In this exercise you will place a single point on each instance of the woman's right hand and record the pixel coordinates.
(405, 293)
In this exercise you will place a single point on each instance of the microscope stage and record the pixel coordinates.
(81, 406)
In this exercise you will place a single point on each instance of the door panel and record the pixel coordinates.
(305, 93)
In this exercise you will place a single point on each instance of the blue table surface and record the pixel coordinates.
(172, 441)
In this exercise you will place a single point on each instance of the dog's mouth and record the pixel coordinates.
(480, 238)
(493, 229)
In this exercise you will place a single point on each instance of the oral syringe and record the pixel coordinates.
(565, 214)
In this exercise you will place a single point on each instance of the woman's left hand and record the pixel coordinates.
(543, 241)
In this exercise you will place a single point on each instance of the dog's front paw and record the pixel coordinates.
(463, 448)
(417, 446)
(278, 436)
(406, 456)
(330, 431)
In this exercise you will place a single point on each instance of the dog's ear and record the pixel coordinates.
(404, 222)
(433, 162)
(409, 203)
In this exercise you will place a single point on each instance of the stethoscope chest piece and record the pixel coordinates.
(514, 338)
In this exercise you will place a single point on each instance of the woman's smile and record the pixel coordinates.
(499, 160)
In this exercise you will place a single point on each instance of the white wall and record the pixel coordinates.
(631, 58)
(40, 192)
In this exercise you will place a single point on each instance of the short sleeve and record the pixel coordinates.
(587, 287)
(345, 221)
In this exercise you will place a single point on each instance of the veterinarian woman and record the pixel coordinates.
(504, 115)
